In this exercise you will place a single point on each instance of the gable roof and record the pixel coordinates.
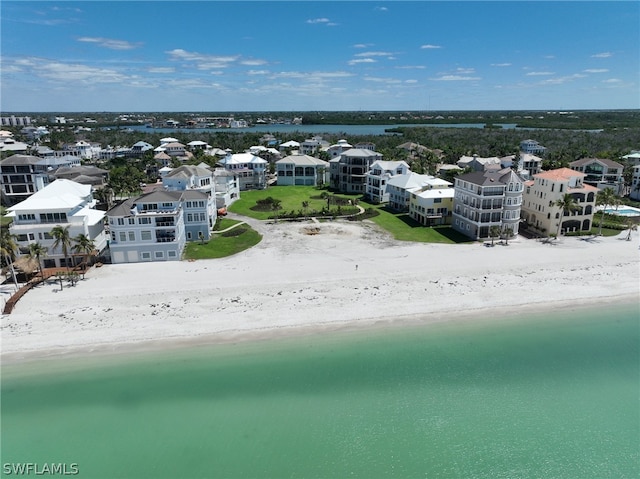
(588, 161)
(302, 160)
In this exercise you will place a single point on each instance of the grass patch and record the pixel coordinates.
(290, 197)
(224, 244)
(400, 225)
(405, 228)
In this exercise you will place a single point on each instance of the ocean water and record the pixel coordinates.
(550, 396)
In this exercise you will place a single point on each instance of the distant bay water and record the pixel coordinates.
(313, 129)
(551, 395)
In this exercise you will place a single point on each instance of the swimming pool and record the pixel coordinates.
(623, 210)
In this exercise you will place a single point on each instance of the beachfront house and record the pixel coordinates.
(302, 170)
(601, 173)
(379, 175)
(348, 172)
(156, 226)
(539, 208)
(432, 204)
(227, 187)
(487, 199)
(400, 188)
(250, 170)
(60, 203)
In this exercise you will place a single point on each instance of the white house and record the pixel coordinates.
(339, 148)
(251, 170)
(348, 172)
(227, 187)
(64, 203)
(400, 188)
(302, 170)
(379, 175)
(532, 146)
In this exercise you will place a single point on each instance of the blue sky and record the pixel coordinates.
(318, 55)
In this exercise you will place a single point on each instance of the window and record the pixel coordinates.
(21, 237)
(123, 236)
(132, 235)
(145, 235)
(188, 235)
(144, 221)
(167, 205)
(145, 255)
(189, 217)
(171, 254)
(121, 221)
(159, 254)
(132, 221)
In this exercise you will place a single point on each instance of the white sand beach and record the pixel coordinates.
(348, 275)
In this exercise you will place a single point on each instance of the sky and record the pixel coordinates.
(216, 56)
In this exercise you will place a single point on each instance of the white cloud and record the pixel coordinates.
(430, 47)
(455, 78)
(535, 74)
(612, 80)
(501, 64)
(110, 43)
(374, 54)
(202, 61)
(596, 70)
(465, 71)
(411, 67)
(602, 55)
(361, 60)
(253, 63)
(318, 20)
(563, 80)
(363, 45)
(161, 70)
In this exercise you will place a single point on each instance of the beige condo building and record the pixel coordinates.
(539, 208)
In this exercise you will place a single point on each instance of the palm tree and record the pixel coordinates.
(508, 233)
(632, 227)
(8, 249)
(37, 251)
(62, 239)
(85, 246)
(494, 232)
(567, 204)
(305, 206)
(604, 198)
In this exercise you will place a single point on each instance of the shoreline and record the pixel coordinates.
(348, 278)
(477, 317)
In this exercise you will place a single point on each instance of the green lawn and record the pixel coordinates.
(224, 244)
(291, 198)
(405, 228)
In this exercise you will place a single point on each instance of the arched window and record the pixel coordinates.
(510, 186)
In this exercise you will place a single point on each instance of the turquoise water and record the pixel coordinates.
(546, 397)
